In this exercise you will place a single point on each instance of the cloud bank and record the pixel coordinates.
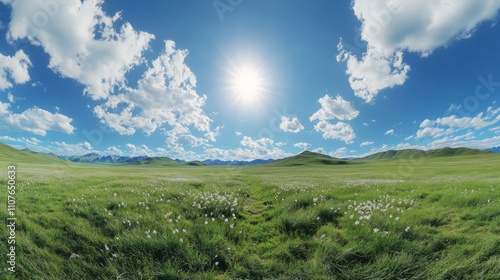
(391, 27)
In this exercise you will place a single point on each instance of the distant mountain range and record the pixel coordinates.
(97, 158)
(304, 158)
(495, 149)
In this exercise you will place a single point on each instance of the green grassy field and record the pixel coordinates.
(434, 217)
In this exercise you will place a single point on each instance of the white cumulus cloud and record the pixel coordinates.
(32, 141)
(263, 148)
(374, 72)
(14, 69)
(430, 132)
(340, 131)
(290, 125)
(389, 132)
(10, 97)
(339, 153)
(366, 143)
(34, 120)
(261, 143)
(191, 141)
(66, 149)
(140, 150)
(390, 27)
(409, 137)
(302, 145)
(334, 108)
(81, 41)
(165, 96)
(453, 123)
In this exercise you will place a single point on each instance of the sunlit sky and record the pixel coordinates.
(248, 79)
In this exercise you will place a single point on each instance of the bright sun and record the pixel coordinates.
(247, 84)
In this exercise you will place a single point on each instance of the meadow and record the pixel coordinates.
(427, 218)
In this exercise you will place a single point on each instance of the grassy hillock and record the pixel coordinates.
(415, 154)
(306, 158)
(448, 152)
(13, 155)
(396, 154)
(195, 163)
(156, 161)
(163, 162)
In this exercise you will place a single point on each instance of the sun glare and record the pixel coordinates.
(247, 85)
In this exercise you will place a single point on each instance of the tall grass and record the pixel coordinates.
(297, 223)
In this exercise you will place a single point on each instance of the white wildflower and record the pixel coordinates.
(74, 255)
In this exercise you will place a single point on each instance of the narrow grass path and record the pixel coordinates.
(262, 230)
(257, 203)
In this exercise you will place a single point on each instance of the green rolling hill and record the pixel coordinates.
(307, 158)
(414, 154)
(395, 154)
(155, 161)
(164, 161)
(13, 156)
(195, 163)
(447, 152)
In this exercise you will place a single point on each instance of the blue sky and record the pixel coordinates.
(248, 79)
